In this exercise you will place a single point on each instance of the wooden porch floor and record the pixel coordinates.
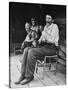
(49, 80)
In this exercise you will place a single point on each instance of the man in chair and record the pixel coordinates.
(49, 41)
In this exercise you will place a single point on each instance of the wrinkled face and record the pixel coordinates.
(33, 23)
(27, 27)
(48, 19)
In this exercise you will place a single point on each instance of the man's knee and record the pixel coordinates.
(31, 51)
(31, 55)
(26, 49)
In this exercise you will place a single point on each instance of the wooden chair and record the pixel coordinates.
(45, 64)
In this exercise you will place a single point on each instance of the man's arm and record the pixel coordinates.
(43, 36)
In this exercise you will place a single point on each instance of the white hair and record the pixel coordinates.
(27, 24)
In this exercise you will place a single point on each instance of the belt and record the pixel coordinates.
(46, 43)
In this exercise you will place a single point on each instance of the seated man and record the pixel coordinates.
(30, 55)
(31, 36)
(27, 39)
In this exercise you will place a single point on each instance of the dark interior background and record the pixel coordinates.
(20, 13)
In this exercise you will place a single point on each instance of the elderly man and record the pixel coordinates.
(30, 38)
(49, 37)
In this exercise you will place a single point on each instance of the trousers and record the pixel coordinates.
(30, 56)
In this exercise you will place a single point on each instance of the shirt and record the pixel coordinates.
(50, 34)
(35, 28)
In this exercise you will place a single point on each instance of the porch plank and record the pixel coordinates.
(49, 80)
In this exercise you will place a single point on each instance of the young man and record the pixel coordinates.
(30, 55)
(34, 25)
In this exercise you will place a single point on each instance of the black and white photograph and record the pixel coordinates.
(37, 45)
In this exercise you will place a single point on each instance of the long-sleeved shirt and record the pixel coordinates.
(50, 34)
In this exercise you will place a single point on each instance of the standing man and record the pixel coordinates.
(34, 25)
(49, 37)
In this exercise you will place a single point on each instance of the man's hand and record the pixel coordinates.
(34, 43)
(39, 41)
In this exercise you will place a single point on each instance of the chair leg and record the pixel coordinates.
(36, 67)
(50, 64)
(44, 68)
(56, 66)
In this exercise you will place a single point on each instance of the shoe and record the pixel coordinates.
(21, 78)
(26, 80)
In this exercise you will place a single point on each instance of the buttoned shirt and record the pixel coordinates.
(50, 34)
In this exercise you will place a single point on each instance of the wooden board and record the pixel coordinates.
(49, 80)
